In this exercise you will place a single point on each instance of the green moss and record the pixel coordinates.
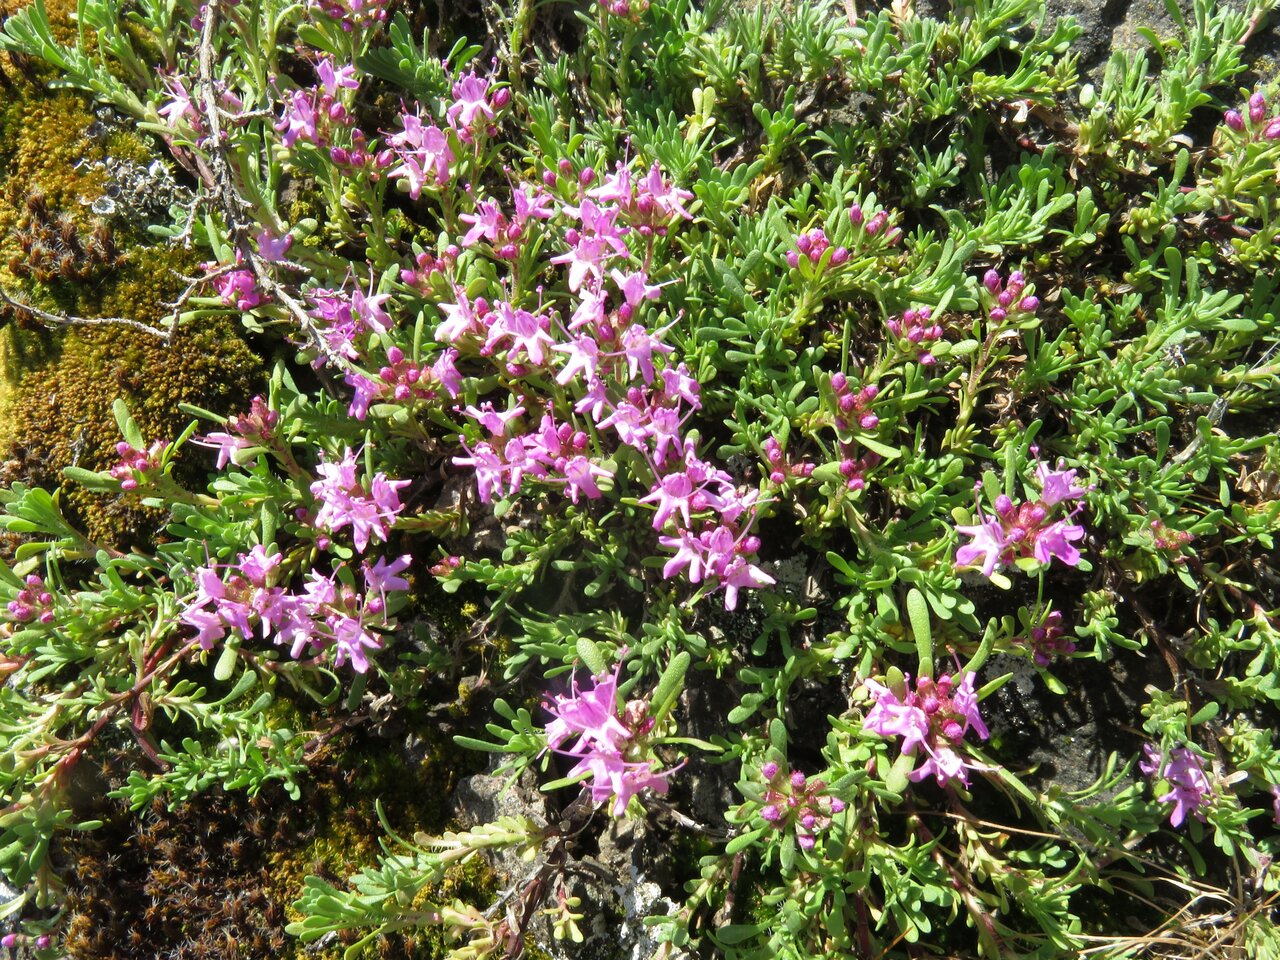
(59, 413)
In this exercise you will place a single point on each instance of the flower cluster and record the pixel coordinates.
(1006, 298)
(329, 612)
(1021, 531)
(854, 406)
(1189, 787)
(425, 151)
(875, 225)
(1256, 123)
(934, 717)
(605, 355)
(916, 331)
(608, 746)
(553, 454)
(237, 288)
(33, 602)
(249, 431)
(344, 501)
(780, 469)
(316, 114)
(1047, 639)
(1169, 540)
(135, 464)
(812, 246)
(791, 801)
(345, 316)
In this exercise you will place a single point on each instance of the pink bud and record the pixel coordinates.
(839, 381)
(750, 545)
(771, 813)
(998, 314)
(991, 280)
(1004, 506)
(769, 770)
(797, 780)
(587, 176)
(855, 215)
(1273, 130)
(549, 177)
(1257, 107)
(805, 841)
(839, 255)
(777, 476)
(501, 98)
(876, 223)
(1233, 119)
(793, 259)
(837, 805)
(1029, 304)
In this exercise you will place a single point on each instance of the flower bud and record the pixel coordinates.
(549, 177)
(1257, 107)
(839, 381)
(837, 805)
(869, 421)
(1233, 119)
(793, 259)
(768, 769)
(587, 176)
(750, 545)
(1029, 304)
(501, 98)
(839, 255)
(1273, 130)
(991, 280)
(805, 841)
(565, 166)
(997, 314)
(855, 215)
(771, 813)
(797, 780)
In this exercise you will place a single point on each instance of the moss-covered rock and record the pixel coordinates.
(59, 414)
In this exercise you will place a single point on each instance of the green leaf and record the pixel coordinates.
(590, 655)
(669, 685)
(918, 612)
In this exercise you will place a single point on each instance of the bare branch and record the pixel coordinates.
(67, 320)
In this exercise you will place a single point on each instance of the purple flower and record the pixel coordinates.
(603, 744)
(1015, 531)
(1189, 787)
(934, 718)
(345, 502)
(471, 100)
(299, 119)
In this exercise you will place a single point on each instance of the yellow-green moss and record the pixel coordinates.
(59, 414)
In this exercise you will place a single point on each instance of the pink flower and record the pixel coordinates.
(178, 107)
(933, 718)
(345, 502)
(471, 100)
(238, 289)
(604, 743)
(424, 154)
(580, 476)
(1016, 532)
(1189, 787)
(299, 119)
